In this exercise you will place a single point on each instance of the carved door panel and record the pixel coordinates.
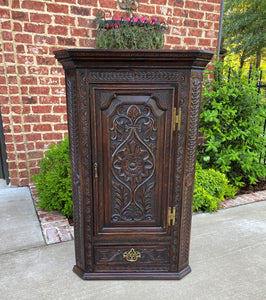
(132, 153)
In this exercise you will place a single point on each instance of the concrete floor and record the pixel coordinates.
(228, 261)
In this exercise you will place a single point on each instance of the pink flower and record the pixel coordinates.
(143, 19)
(136, 19)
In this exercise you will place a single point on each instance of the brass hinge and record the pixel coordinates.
(95, 165)
(171, 216)
(177, 119)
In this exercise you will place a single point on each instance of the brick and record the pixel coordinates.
(39, 90)
(17, 27)
(207, 7)
(212, 17)
(160, 2)
(2, 80)
(48, 80)
(192, 4)
(8, 47)
(58, 30)
(191, 23)
(88, 2)
(173, 40)
(57, 8)
(11, 70)
(61, 127)
(33, 137)
(42, 109)
(32, 119)
(204, 42)
(9, 58)
(59, 109)
(7, 36)
(52, 136)
(42, 127)
(190, 41)
(16, 119)
(196, 14)
(40, 18)
(21, 70)
(38, 70)
(195, 32)
(29, 27)
(205, 24)
(81, 11)
(25, 60)
(109, 4)
(65, 20)
(20, 16)
(12, 79)
(165, 11)
(13, 89)
(6, 25)
(66, 41)
(16, 109)
(33, 5)
(37, 49)
(4, 13)
(49, 99)
(211, 34)
(147, 9)
(28, 80)
(48, 61)
(4, 2)
(18, 138)
(23, 38)
(79, 32)
(177, 3)
(51, 118)
(15, 3)
(3, 89)
(42, 39)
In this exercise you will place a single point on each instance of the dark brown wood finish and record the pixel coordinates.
(130, 162)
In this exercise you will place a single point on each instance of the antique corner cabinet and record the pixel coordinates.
(133, 127)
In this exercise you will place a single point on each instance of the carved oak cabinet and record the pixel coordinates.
(133, 127)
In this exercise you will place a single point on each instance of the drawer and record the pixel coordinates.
(133, 257)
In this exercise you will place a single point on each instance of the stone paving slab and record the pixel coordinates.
(227, 258)
(19, 224)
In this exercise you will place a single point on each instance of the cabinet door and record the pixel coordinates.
(132, 162)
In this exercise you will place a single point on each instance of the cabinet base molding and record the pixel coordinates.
(129, 276)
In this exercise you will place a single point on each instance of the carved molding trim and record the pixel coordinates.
(196, 83)
(133, 76)
(75, 162)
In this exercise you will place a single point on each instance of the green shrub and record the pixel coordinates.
(53, 182)
(211, 187)
(232, 120)
(130, 37)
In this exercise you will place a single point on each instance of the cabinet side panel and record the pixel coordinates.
(191, 146)
(85, 145)
(75, 162)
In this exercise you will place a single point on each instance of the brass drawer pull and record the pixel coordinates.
(132, 255)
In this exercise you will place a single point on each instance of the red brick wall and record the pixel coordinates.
(32, 93)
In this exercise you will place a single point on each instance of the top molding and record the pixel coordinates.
(105, 59)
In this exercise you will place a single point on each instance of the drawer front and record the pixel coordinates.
(132, 258)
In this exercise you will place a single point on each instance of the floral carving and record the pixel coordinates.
(133, 163)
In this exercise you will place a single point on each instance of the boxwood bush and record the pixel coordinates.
(211, 188)
(53, 183)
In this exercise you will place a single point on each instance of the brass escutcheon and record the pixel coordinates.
(132, 255)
